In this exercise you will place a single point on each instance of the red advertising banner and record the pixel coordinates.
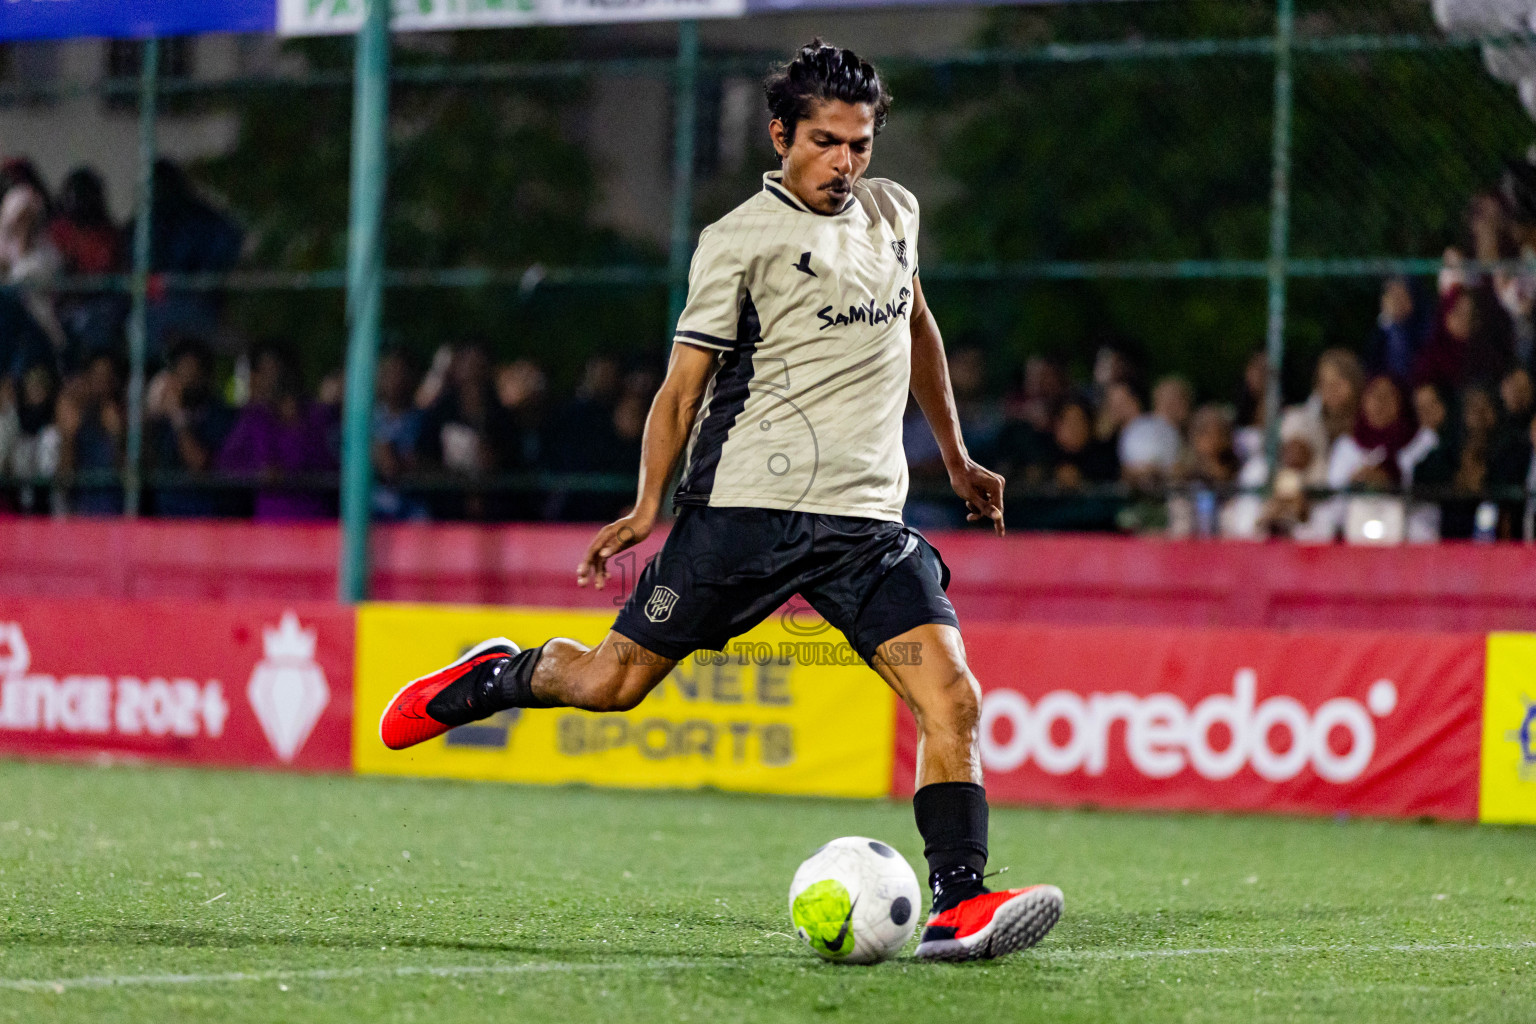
(258, 684)
(1246, 720)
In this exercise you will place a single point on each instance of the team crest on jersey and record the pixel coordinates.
(899, 247)
(659, 607)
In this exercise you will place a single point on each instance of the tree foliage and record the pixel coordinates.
(489, 174)
(1171, 160)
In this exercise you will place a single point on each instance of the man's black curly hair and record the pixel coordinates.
(821, 72)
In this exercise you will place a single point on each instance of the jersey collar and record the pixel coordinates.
(773, 184)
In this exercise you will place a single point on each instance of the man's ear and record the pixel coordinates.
(779, 135)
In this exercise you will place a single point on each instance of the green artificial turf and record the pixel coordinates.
(137, 894)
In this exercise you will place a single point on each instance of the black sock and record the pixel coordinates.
(514, 687)
(492, 686)
(952, 818)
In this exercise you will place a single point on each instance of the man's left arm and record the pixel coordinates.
(981, 488)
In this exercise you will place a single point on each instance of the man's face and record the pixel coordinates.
(1380, 404)
(1515, 390)
(266, 378)
(967, 372)
(1296, 454)
(101, 380)
(1073, 429)
(1429, 408)
(1396, 301)
(393, 382)
(830, 151)
(1460, 319)
(1171, 401)
(188, 371)
(1121, 403)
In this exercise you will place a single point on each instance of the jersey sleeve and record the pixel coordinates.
(910, 214)
(716, 284)
(913, 243)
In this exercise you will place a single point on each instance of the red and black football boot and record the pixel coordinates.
(450, 697)
(992, 924)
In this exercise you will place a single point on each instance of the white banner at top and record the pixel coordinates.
(336, 17)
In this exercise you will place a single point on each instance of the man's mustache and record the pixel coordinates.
(841, 184)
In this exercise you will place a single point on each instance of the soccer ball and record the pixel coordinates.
(855, 901)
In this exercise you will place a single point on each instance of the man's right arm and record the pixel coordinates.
(666, 433)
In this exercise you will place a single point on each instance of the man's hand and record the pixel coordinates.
(610, 540)
(982, 490)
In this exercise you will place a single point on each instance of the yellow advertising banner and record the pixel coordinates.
(777, 712)
(1508, 787)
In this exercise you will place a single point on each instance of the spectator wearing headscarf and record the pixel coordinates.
(82, 229)
(1509, 461)
(280, 435)
(1516, 399)
(188, 424)
(1287, 510)
(1249, 407)
(1077, 457)
(1210, 458)
(1152, 445)
(1447, 356)
(34, 451)
(1479, 429)
(1399, 333)
(188, 234)
(1426, 462)
(396, 439)
(1335, 400)
(89, 243)
(1074, 460)
(1367, 456)
(29, 261)
(93, 422)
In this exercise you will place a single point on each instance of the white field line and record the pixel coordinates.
(59, 985)
(344, 973)
(1298, 950)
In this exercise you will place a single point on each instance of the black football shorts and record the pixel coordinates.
(724, 570)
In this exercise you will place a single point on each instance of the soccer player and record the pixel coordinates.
(804, 330)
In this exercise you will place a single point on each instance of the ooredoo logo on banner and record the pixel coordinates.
(1368, 723)
(241, 684)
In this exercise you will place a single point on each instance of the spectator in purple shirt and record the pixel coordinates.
(280, 435)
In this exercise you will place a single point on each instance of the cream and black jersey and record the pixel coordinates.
(811, 316)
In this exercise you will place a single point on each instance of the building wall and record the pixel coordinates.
(627, 128)
(59, 135)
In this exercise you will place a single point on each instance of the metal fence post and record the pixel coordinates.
(138, 317)
(365, 292)
(1279, 227)
(684, 128)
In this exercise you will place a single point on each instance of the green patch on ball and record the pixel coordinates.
(824, 915)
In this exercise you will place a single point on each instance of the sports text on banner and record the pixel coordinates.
(770, 714)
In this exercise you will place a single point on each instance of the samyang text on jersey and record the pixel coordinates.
(811, 315)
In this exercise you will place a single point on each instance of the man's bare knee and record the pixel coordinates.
(606, 685)
(614, 695)
(951, 709)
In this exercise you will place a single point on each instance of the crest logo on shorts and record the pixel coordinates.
(659, 607)
(899, 247)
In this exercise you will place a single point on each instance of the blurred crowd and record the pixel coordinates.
(445, 438)
(1423, 430)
